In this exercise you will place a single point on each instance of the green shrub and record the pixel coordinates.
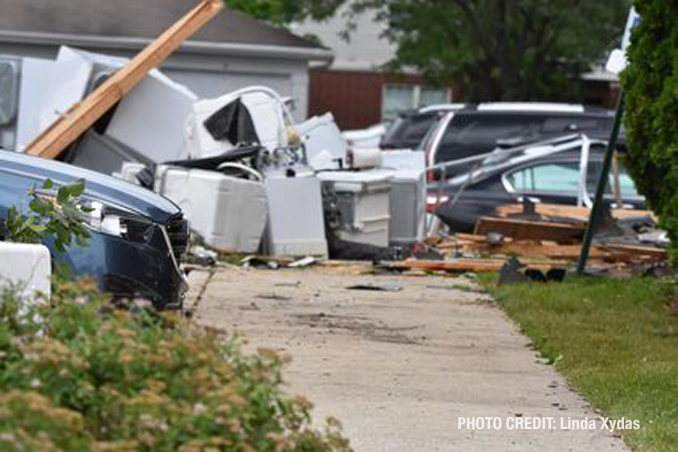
(51, 214)
(651, 117)
(76, 374)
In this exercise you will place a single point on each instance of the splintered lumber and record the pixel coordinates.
(67, 128)
(531, 248)
(619, 253)
(635, 251)
(572, 212)
(464, 265)
(530, 230)
(523, 248)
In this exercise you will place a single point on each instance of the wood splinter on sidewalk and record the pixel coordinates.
(67, 128)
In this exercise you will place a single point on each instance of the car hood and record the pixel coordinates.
(97, 186)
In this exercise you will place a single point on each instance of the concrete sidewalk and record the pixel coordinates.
(399, 367)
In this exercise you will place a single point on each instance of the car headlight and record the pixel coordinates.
(100, 217)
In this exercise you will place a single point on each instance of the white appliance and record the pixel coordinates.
(363, 200)
(325, 146)
(150, 118)
(296, 226)
(24, 83)
(365, 138)
(229, 213)
(407, 204)
(266, 108)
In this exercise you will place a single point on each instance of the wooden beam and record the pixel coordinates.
(465, 265)
(529, 230)
(530, 248)
(573, 212)
(635, 251)
(66, 129)
(611, 253)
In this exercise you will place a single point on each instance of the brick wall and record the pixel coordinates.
(354, 98)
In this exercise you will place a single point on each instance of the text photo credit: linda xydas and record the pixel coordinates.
(546, 423)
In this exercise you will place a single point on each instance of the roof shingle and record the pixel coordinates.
(136, 19)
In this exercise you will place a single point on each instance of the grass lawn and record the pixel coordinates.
(614, 340)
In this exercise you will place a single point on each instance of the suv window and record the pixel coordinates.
(573, 124)
(407, 132)
(469, 135)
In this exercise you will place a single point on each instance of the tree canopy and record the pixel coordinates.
(495, 49)
(651, 115)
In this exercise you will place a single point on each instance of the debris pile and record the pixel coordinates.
(551, 234)
(253, 180)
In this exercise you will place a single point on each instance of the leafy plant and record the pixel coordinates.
(57, 217)
(651, 86)
(76, 374)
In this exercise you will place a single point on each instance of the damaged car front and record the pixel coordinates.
(137, 237)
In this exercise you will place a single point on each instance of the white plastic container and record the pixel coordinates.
(27, 268)
(296, 225)
(229, 213)
(363, 204)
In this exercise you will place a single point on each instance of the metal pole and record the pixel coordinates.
(600, 188)
(617, 184)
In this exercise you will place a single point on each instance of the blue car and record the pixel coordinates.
(137, 236)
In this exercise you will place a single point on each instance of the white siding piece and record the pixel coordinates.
(27, 268)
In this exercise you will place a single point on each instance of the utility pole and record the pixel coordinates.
(600, 188)
(616, 63)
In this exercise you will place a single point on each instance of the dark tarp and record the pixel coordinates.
(232, 122)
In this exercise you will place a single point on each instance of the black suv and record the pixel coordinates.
(409, 129)
(454, 131)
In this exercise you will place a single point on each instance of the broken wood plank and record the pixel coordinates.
(530, 248)
(573, 212)
(471, 237)
(66, 129)
(635, 251)
(546, 249)
(465, 265)
(530, 230)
